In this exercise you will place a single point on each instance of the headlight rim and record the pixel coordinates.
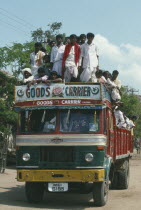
(88, 158)
(26, 157)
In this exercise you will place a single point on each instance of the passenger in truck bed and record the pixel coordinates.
(54, 78)
(70, 59)
(100, 77)
(57, 55)
(36, 58)
(41, 77)
(112, 87)
(89, 60)
(120, 120)
(27, 76)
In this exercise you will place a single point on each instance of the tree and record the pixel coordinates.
(43, 36)
(7, 114)
(132, 107)
(17, 56)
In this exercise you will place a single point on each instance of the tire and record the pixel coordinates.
(123, 176)
(34, 191)
(114, 181)
(100, 193)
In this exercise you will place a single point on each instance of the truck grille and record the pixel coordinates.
(57, 154)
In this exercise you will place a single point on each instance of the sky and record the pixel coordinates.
(116, 25)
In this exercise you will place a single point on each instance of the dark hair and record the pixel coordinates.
(107, 74)
(99, 73)
(72, 36)
(43, 49)
(51, 42)
(90, 35)
(115, 72)
(41, 69)
(54, 72)
(59, 36)
(82, 36)
(38, 44)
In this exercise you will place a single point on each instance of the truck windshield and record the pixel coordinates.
(79, 121)
(38, 121)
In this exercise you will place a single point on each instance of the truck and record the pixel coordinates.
(67, 141)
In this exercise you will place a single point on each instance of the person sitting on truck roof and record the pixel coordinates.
(57, 55)
(89, 60)
(27, 75)
(54, 78)
(70, 59)
(40, 78)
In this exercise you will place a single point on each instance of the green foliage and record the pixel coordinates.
(7, 114)
(16, 57)
(132, 107)
(45, 36)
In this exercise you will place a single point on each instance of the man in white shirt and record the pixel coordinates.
(36, 58)
(57, 55)
(89, 60)
(70, 59)
(82, 39)
(120, 121)
(115, 74)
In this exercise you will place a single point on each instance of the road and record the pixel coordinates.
(12, 194)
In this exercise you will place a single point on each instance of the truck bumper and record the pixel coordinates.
(84, 175)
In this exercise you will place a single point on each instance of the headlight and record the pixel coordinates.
(89, 157)
(26, 157)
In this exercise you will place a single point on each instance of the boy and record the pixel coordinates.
(57, 55)
(89, 60)
(70, 59)
(36, 58)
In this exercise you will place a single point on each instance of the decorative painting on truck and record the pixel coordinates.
(23, 93)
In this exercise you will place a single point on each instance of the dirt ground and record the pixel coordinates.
(12, 195)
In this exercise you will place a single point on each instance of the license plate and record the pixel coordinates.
(58, 187)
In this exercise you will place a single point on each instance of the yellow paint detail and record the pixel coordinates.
(87, 175)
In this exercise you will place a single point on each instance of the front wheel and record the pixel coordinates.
(100, 193)
(34, 191)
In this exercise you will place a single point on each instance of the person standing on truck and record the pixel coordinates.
(36, 58)
(57, 55)
(89, 60)
(82, 39)
(70, 59)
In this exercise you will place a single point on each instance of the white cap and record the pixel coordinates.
(27, 69)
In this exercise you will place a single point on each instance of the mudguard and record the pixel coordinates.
(107, 165)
